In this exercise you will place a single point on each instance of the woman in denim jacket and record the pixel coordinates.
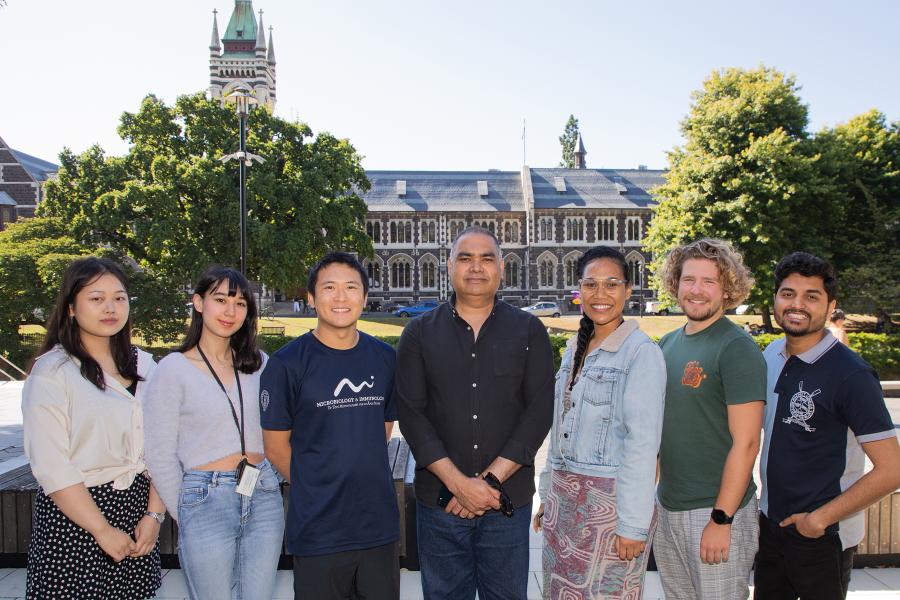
(597, 489)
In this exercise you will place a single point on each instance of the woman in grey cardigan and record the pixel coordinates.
(204, 446)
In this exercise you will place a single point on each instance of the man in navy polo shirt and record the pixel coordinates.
(825, 410)
(326, 409)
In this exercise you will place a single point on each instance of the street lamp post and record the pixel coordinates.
(243, 99)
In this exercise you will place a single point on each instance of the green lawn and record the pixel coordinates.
(655, 326)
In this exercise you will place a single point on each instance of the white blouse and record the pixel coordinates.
(78, 433)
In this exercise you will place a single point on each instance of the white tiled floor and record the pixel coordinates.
(867, 584)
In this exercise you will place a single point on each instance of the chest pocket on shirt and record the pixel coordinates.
(509, 358)
(600, 385)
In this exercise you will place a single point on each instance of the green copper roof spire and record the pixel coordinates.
(242, 26)
(214, 42)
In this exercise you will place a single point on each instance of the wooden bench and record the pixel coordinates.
(18, 489)
(881, 544)
(271, 330)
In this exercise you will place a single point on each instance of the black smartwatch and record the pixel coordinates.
(719, 517)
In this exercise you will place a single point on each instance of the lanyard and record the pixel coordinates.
(237, 380)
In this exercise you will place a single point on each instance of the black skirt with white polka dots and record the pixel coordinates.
(64, 561)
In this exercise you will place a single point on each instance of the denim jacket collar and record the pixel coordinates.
(614, 341)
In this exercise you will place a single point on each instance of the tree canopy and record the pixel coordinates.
(33, 255)
(567, 141)
(172, 206)
(862, 160)
(749, 172)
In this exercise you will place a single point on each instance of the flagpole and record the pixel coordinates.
(524, 161)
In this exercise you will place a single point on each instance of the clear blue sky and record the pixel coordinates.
(445, 85)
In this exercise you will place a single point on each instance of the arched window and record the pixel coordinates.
(427, 232)
(575, 229)
(545, 229)
(373, 268)
(571, 270)
(373, 230)
(546, 272)
(428, 270)
(636, 270)
(512, 267)
(401, 232)
(606, 229)
(401, 273)
(511, 232)
(633, 229)
(455, 228)
(489, 225)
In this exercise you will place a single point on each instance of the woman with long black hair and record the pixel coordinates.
(597, 490)
(96, 516)
(205, 449)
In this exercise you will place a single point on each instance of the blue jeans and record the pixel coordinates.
(458, 556)
(229, 544)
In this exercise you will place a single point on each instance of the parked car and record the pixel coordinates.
(745, 309)
(415, 310)
(544, 309)
(657, 307)
(390, 307)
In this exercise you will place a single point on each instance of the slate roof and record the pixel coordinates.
(444, 191)
(595, 188)
(458, 190)
(6, 200)
(38, 168)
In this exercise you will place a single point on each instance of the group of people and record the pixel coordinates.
(648, 443)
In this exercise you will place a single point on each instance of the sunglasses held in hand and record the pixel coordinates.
(506, 505)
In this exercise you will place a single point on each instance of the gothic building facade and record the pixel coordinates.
(21, 179)
(545, 220)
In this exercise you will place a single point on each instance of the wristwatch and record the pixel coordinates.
(719, 517)
(158, 517)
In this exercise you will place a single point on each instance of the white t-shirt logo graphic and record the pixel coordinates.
(352, 386)
(802, 408)
(264, 400)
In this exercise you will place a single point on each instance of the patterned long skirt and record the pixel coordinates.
(64, 561)
(580, 560)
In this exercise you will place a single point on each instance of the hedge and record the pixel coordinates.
(881, 350)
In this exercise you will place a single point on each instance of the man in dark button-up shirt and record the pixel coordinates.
(474, 388)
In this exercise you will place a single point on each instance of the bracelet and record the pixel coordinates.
(157, 516)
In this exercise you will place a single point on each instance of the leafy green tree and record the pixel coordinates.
(862, 159)
(747, 173)
(568, 140)
(172, 205)
(33, 255)
(25, 249)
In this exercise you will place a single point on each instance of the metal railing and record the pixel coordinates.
(6, 362)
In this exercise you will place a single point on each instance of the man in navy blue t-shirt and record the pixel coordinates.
(326, 408)
(824, 411)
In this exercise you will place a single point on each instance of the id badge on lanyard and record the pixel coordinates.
(247, 477)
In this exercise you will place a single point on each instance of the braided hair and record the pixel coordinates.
(586, 326)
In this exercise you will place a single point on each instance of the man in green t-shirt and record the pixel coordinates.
(715, 394)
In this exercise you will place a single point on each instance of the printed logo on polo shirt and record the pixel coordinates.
(264, 400)
(352, 386)
(802, 408)
(354, 400)
(693, 374)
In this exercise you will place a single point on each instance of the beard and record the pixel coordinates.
(694, 313)
(811, 325)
